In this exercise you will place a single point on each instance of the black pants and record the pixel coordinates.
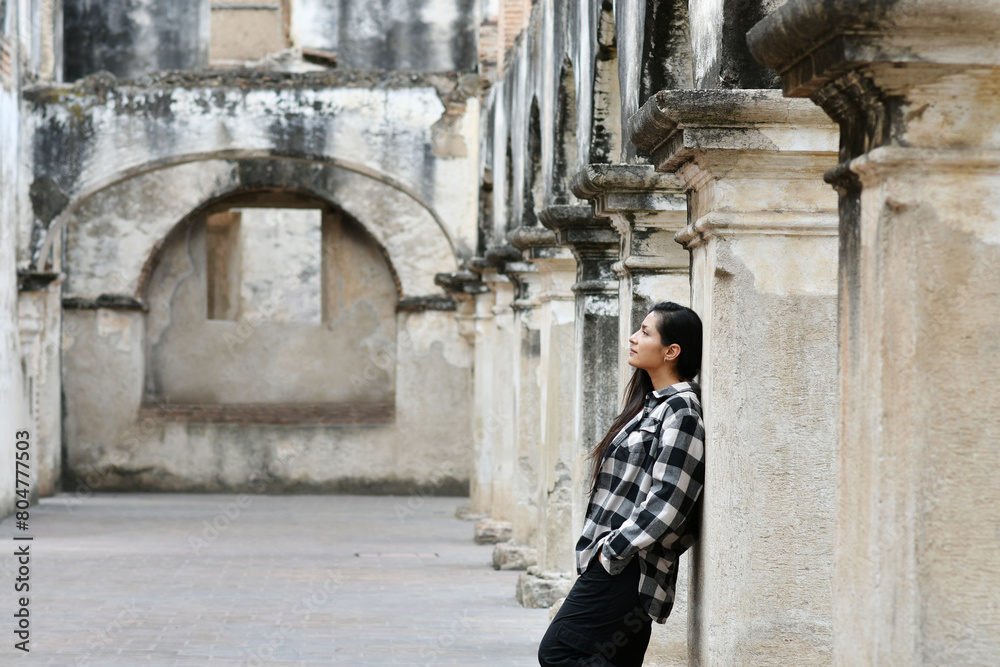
(601, 623)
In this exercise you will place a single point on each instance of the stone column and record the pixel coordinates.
(495, 422)
(646, 208)
(481, 482)
(527, 396)
(595, 246)
(544, 309)
(762, 235)
(913, 85)
(473, 299)
(40, 329)
(560, 448)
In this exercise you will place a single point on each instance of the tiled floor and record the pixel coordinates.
(144, 579)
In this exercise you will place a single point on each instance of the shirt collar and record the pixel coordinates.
(668, 391)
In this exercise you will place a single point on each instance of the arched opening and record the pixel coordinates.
(565, 163)
(606, 135)
(267, 307)
(534, 186)
(508, 193)
(485, 212)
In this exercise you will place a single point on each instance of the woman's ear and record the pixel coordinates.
(671, 352)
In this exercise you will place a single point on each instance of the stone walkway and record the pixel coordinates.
(142, 579)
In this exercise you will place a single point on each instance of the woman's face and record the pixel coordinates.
(646, 350)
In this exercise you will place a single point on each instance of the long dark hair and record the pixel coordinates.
(675, 324)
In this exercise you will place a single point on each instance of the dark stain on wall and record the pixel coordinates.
(130, 38)
(737, 68)
(377, 35)
(666, 48)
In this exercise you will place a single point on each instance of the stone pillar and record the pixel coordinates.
(762, 235)
(646, 208)
(481, 481)
(546, 413)
(559, 447)
(40, 329)
(527, 396)
(913, 85)
(473, 299)
(494, 419)
(595, 246)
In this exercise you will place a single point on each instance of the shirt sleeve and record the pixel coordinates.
(678, 475)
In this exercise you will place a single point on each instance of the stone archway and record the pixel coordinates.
(265, 306)
(379, 419)
(131, 215)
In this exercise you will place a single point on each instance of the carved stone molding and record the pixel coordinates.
(860, 61)
(463, 282)
(628, 189)
(678, 126)
(277, 413)
(111, 301)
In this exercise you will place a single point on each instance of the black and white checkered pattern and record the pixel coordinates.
(647, 493)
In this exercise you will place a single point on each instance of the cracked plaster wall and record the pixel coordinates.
(130, 38)
(393, 128)
(111, 237)
(116, 165)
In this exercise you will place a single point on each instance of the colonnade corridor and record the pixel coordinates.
(188, 579)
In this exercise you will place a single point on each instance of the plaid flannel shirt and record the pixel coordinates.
(647, 491)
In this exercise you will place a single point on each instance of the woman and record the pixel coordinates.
(648, 474)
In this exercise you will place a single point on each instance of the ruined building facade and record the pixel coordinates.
(398, 247)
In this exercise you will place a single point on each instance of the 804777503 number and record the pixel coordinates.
(22, 457)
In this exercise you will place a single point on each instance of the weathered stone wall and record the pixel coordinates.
(29, 372)
(720, 56)
(736, 156)
(536, 121)
(551, 66)
(654, 46)
(99, 132)
(913, 85)
(12, 406)
(143, 163)
(129, 38)
(428, 36)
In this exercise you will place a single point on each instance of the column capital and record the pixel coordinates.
(791, 223)
(733, 133)
(558, 275)
(813, 42)
(527, 284)
(460, 282)
(904, 73)
(535, 242)
(593, 242)
(645, 207)
(751, 160)
(490, 276)
(636, 190)
(497, 256)
(578, 229)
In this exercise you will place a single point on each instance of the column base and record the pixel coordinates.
(489, 531)
(512, 556)
(540, 590)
